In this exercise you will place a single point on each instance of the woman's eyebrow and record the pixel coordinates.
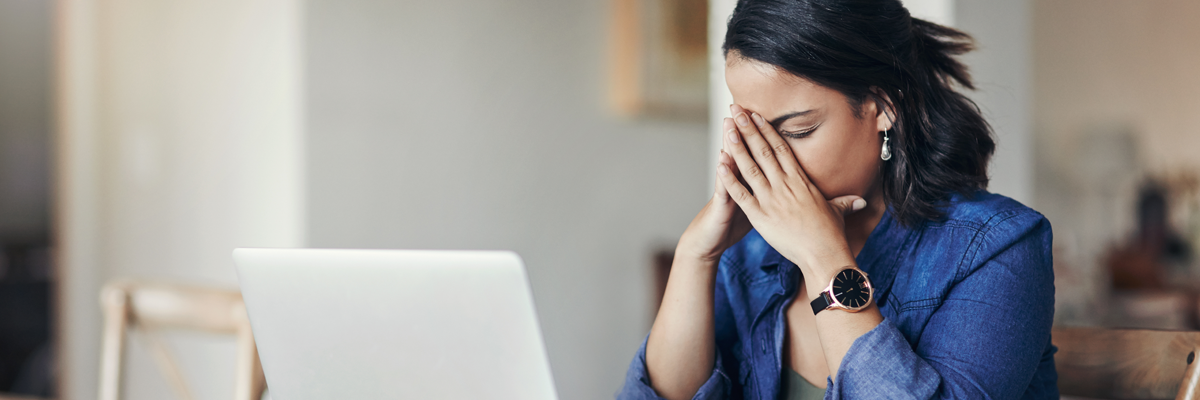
(777, 121)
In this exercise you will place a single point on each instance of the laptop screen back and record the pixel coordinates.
(397, 324)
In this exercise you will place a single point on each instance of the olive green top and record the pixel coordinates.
(795, 387)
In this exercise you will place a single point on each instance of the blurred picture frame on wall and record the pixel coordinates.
(658, 59)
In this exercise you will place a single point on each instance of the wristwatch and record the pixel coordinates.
(849, 290)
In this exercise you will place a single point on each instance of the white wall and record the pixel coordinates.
(1002, 67)
(466, 124)
(178, 139)
(938, 11)
(718, 92)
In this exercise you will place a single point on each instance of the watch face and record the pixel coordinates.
(850, 287)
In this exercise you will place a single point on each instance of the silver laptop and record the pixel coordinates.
(394, 324)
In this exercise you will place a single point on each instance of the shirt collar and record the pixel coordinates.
(772, 259)
(879, 258)
(786, 270)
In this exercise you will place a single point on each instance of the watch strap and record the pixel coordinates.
(821, 303)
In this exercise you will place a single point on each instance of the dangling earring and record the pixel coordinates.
(886, 154)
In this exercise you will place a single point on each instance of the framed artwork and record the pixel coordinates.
(659, 59)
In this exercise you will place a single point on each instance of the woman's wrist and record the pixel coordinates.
(819, 273)
(816, 284)
(688, 258)
(696, 249)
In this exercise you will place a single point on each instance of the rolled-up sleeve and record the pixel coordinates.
(719, 385)
(984, 341)
(637, 381)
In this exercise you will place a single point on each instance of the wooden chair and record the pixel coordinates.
(1127, 363)
(149, 307)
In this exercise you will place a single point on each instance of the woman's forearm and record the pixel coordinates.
(681, 349)
(838, 329)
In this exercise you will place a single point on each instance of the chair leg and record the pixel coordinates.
(1191, 378)
(166, 363)
(115, 305)
(260, 380)
(250, 382)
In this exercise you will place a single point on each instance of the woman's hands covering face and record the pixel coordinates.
(778, 198)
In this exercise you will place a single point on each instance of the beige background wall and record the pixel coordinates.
(1130, 63)
(1115, 85)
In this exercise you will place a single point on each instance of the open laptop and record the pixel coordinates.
(394, 324)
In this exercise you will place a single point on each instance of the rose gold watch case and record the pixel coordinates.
(833, 301)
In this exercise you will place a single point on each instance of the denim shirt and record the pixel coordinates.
(967, 303)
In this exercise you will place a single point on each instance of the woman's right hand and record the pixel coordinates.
(719, 225)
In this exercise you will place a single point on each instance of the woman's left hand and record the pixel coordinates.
(781, 202)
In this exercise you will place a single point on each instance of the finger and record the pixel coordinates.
(742, 160)
(737, 192)
(737, 173)
(760, 150)
(720, 194)
(725, 124)
(783, 151)
(847, 205)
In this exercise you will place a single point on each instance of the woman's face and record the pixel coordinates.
(839, 150)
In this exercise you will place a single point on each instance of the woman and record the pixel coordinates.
(850, 249)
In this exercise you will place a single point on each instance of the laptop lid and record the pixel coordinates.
(395, 324)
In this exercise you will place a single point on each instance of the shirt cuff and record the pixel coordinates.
(882, 364)
(637, 381)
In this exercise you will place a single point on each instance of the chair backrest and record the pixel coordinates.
(1126, 363)
(148, 306)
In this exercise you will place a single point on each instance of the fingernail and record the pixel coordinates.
(758, 119)
(731, 108)
(858, 205)
(722, 169)
(733, 136)
(741, 120)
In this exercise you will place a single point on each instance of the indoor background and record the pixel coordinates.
(147, 139)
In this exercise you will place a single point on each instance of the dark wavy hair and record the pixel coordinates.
(869, 48)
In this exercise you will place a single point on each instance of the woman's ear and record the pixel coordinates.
(885, 110)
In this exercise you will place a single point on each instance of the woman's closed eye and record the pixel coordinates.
(798, 134)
